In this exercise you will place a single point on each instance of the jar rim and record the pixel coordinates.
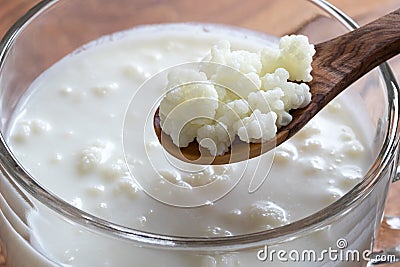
(13, 170)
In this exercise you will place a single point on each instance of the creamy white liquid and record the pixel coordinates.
(68, 135)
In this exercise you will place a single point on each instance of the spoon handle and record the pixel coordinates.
(341, 61)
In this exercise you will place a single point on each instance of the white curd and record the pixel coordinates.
(237, 93)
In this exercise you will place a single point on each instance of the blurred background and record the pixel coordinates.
(363, 11)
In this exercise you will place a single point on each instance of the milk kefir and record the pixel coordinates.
(69, 132)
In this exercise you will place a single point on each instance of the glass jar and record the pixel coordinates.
(53, 29)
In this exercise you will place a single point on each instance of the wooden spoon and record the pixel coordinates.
(336, 65)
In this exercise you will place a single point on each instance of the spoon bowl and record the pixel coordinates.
(337, 64)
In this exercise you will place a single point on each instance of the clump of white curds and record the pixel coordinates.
(237, 94)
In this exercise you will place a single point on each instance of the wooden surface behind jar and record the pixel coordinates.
(362, 11)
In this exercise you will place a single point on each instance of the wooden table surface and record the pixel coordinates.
(362, 11)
